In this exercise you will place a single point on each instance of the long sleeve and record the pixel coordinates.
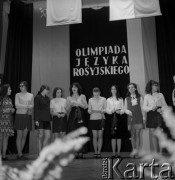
(146, 108)
(36, 108)
(84, 102)
(163, 102)
(68, 104)
(126, 107)
(89, 107)
(173, 97)
(17, 104)
(104, 104)
(122, 106)
(108, 109)
(31, 104)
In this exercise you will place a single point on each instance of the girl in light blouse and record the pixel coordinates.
(154, 104)
(58, 111)
(114, 110)
(24, 102)
(96, 109)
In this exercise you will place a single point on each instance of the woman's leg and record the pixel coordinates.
(47, 134)
(119, 143)
(133, 142)
(94, 133)
(18, 142)
(138, 139)
(56, 135)
(154, 140)
(40, 139)
(100, 140)
(5, 144)
(63, 134)
(23, 140)
(1, 142)
(113, 142)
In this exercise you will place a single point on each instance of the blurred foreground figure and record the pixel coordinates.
(51, 160)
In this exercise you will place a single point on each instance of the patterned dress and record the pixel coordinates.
(6, 128)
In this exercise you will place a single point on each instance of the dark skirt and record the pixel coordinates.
(76, 119)
(154, 119)
(96, 124)
(59, 124)
(116, 126)
(22, 122)
(44, 125)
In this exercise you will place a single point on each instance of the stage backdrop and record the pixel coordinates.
(99, 57)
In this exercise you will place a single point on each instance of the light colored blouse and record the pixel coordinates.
(81, 100)
(154, 100)
(58, 105)
(96, 105)
(114, 104)
(173, 97)
(23, 102)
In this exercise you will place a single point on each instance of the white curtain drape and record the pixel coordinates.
(128, 9)
(61, 12)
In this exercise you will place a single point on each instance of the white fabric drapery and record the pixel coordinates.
(60, 12)
(128, 9)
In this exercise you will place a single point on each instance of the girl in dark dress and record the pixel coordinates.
(133, 108)
(76, 104)
(114, 110)
(6, 111)
(58, 111)
(42, 116)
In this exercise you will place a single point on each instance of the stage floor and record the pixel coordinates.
(88, 168)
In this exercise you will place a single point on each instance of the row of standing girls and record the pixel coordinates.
(68, 115)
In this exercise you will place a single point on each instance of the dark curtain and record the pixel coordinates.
(18, 60)
(1, 22)
(165, 29)
(97, 31)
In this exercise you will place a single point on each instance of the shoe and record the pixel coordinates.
(4, 159)
(76, 156)
(133, 153)
(113, 156)
(81, 156)
(98, 155)
(118, 156)
(95, 155)
(22, 157)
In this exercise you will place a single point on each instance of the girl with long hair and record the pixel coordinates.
(136, 116)
(115, 108)
(42, 116)
(6, 111)
(154, 104)
(76, 104)
(58, 111)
